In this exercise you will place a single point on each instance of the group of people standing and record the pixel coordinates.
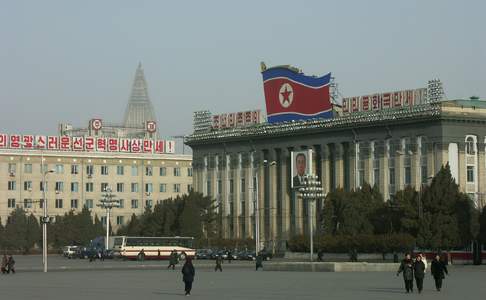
(416, 268)
(8, 264)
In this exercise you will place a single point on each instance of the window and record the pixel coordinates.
(104, 170)
(12, 185)
(121, 202)
(28, 186)
(148, 203)
(189, 172)
(220, 187)
(408, 175)
(134, 187)
(119, 187)
(134, 203)
(120, 220)
(104, 186)
(163, 171)
(41, 203)
(74, 169)
(89, 170)
(163, 188)
(189, 188)
(59, 186)
(74, 203)
(148, 188)
(58, 203)
(120, 170)
(27, 203)
(28, 168)
(89, 187)
(177, 188)
(12, 169)
(177, 171)
(103, 220)
(470, 173)
(43, 168)
(89, 203)
(74, 187)
(231, 186)
(148, 171)
(134, 170)
(11, 203)
(59, 169)
(470, 146)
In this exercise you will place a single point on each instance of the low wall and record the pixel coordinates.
(339, 256)
(331, 267)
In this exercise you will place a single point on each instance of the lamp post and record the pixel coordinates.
(311, 192)
(45, 218)
(108, 203)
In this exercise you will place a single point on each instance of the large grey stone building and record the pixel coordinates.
(389, 148)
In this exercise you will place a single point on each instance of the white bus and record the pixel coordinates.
(130, 247)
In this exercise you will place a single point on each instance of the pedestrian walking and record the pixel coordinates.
(259, 262)
(173, 260)
(218, 266)
(188, 274)
(437, 269)
(4, 263)
(424, 260)
(230, 256)
(419, 273)
(406, 266)
(141, 255)
(11, 265)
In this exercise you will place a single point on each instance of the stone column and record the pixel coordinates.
(285, 200)
(384, 178)
(271, 210)
(339, 166)
(326, 172)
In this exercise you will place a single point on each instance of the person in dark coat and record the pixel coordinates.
(219, 260)
(437, 269)
(419, 273)
(188, 274)
(406, 267)
(259, 261)
(11, 265)
(3, 266)
(173, 259)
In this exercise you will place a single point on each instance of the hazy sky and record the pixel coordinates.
(69, 61)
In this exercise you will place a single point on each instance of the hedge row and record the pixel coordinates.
(362, 243)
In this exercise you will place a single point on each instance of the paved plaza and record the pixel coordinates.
(239, 281)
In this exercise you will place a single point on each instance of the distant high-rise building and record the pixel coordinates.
(139, 120)
(139, 109)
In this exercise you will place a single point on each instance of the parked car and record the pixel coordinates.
(69, 251)
(204, 253)
(221, 253)
(246, 255)
(267, 255)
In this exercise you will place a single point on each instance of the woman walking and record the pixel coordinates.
(438, 268)
(419, 272)
(407, 268)
(188, 274)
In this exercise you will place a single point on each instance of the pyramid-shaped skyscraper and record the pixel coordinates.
(139, 108)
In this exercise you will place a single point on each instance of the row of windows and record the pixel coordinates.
(120, 187)
(74, 204)
(104, 170)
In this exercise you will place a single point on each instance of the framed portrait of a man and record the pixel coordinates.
(301, 164)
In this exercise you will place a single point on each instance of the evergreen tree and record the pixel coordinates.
(482, 226)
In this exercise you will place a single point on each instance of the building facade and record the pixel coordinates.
(248, 169)
(79, 179)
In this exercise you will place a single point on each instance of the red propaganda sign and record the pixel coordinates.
(160, 146)
(240, 119)
(113, 144)
(147, 146)
(53, 142)
(124, 145)
(15, 141)
(136, 146)
(248, 117)
(28, 141)
(223, 121)
(365, 103)
(101, 144)
(78, 143)
(170, 147)
(345, 105)
(386, 100)
(376, 102)
(3, 140)
(231, 120)
(397, 99)
(355, 104)
(408, 100)
(216, 121)
(65, 143)
(89, 143)
(40, 142)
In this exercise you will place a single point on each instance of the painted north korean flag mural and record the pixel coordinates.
(290, 95)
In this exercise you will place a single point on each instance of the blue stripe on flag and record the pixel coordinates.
(298, 77)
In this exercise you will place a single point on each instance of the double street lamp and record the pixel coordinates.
(311, 192)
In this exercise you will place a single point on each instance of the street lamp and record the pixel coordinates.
(108, 203)
(311, 192)
(45, 218)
